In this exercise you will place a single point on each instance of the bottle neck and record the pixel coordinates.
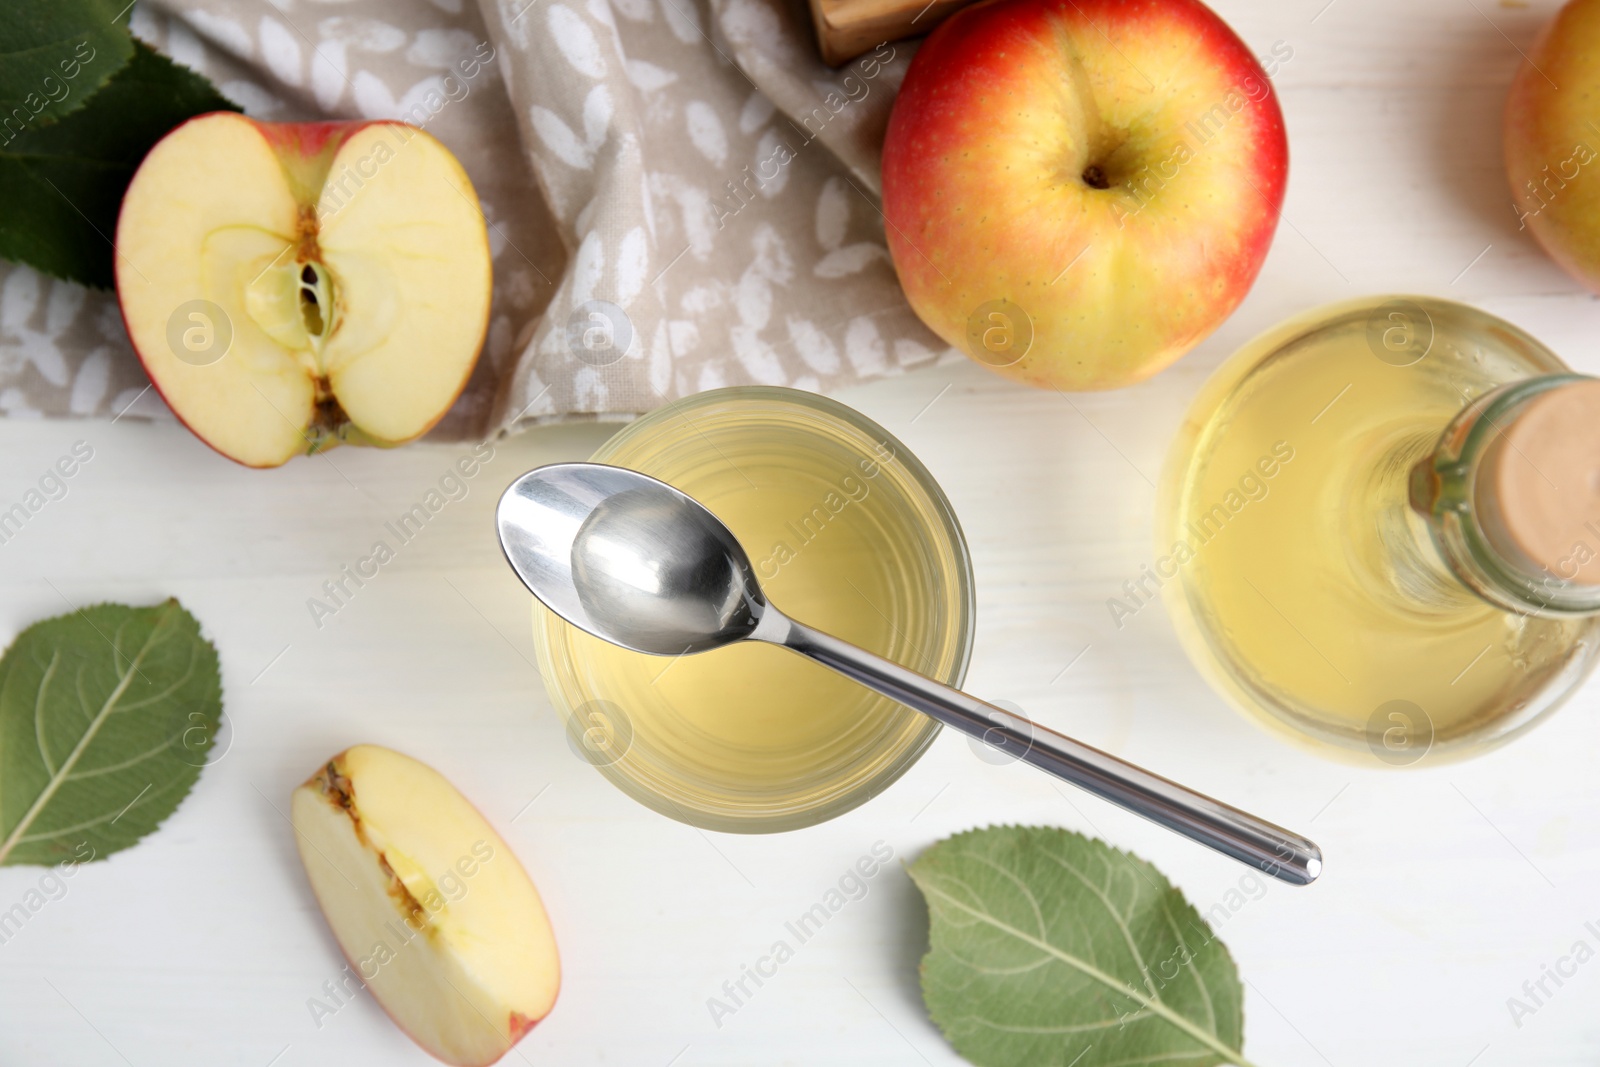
(1475, 517)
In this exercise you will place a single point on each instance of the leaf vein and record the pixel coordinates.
(1122, 923)
(111, 768)
(1188, 964)
(1069, 1028)
(110, 816)
(1158, 1007)
(38, 712)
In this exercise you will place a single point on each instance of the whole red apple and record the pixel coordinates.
(1078, 191)
(1551, 140)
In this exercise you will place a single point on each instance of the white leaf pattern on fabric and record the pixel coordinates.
(771, 264)
(683, 336)
(328, 75)
(92, 383)
(590, 264)
(909, 353)
(373, 98)
(280, 50)
(559, 138)
(47, 359)
(226, 32)
(711, 377)
(769, 159)
(699, 220)
(863, 345)
(18, 300)
(630, 151)
(759, 359)
(633, 262)
(683, 19)
(585, 220)
(851, 259)
(497, 234)
(589, 387)
(330, 63)
(647, 77)
(576, 41)
(62, 306)
(125, 400)
(185, 48)
(833, 213)
(755, 24)
(706, 133)
(597, 117)
(757, 111)
(513, 20)
(702, 299)
(16, 406)
(814, 346)
(440, 49)
(661, 353)
(109, 323)
(600, 11)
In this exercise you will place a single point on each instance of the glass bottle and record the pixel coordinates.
(1380, 529)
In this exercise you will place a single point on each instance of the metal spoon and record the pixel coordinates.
(635, 562)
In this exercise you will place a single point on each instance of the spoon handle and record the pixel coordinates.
(1235, 833)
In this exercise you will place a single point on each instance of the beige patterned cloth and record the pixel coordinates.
(679, 195)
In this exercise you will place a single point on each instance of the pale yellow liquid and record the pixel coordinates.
(1314, 598)
(845, 537)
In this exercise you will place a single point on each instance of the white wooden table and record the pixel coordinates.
(1446, 888)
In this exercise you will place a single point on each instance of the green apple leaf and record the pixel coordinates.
(106, 717)
(1048, 947)
(62, 184)
(54, 55)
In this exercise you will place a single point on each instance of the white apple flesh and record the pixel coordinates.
(429, 905)
(290, 287)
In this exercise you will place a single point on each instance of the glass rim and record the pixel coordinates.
(1217, 663)
(945, 531)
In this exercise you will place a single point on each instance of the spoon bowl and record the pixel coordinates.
(629, 559)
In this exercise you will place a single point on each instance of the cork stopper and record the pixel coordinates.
(1538, 485)
(849, 28)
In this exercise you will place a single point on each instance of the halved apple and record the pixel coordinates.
(293, 286)
(429, 905)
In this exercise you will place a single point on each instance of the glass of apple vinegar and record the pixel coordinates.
(846, 530)
(1372, 527)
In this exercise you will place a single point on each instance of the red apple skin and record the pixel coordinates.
(986, 199)
(307, 139)
(1552, 150)
(295, 142)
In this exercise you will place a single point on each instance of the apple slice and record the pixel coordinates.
(293, 286)
(431, 908)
